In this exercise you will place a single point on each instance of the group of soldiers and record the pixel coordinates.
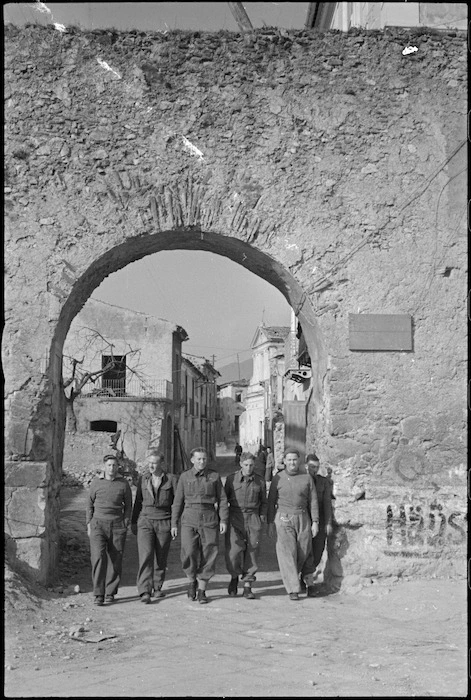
(298, 511)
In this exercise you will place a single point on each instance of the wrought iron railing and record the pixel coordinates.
(151, 389)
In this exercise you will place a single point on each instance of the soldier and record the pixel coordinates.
(108, 513)
(293, 511)
(238, 452)
(151, 521)
(324, 500)
(269, 465)
(199, 493)
(246, 496)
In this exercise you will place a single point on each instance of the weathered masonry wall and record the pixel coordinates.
(331, 165)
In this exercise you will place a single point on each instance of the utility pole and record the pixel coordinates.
(213, 359)
(241, 17)
(238, 364)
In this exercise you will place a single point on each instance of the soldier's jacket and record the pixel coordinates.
(246, 493)
(157, 504)
(200, 491)
(324, 498)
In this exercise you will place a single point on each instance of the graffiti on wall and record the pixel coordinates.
(422, 531)
(413, 465)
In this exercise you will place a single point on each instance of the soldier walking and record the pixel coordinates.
(201, 502)
(151, 521)
(293, 515)
(246, 496)
(324, 500)
(108, 514)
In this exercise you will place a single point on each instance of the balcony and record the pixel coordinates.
(118, 388)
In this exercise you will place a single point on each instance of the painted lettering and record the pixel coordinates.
(409, 530)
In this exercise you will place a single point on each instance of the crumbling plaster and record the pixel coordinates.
(329, 164)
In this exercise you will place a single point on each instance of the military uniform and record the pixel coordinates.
(246, 496)
(324, 499)
(200, 501)
(152, 514)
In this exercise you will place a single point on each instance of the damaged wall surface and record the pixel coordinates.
(332, 165)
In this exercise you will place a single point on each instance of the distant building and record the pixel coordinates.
(378, 15)
(264, 391)
(296, 387)
(152, 397)
(196, 425)
(231, 405)
(276, 397)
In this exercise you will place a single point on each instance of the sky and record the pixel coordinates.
(157, 15)
(219, 303)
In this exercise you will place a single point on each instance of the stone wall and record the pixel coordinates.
(141, 423)
(32, 517)
(332, 165)
(84, 452)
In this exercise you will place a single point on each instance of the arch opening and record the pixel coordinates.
(248, 256)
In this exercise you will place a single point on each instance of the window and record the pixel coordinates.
(115, 377)
(104, 426)
(238, 396)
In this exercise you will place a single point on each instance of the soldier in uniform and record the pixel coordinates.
(246, 496)
(201, 502)
(150, 521)
(324, 500)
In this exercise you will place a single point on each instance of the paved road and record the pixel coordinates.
(401, 640)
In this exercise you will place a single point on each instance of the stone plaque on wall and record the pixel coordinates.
(380, 332)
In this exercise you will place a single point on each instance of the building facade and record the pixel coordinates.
(135, 397)
(264, 392)
(196, 424)
(378, 15)
(231, 403)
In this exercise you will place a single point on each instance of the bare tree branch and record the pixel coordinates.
(75, 362)
(100, 346)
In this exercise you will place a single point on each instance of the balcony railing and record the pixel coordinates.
(117, 388)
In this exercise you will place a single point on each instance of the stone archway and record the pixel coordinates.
(47, 427)
(245, 254)
(286, 165)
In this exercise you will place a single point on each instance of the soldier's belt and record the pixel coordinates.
(244, 510)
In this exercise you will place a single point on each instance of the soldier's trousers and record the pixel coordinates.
(107, 540)
(242, 541)
(153, 543)
(318, 546)
(293, 547)
(199, 542)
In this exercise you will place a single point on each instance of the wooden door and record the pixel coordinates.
(294, 414)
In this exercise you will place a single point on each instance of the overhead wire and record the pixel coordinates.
(420, 190)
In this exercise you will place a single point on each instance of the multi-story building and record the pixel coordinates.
(274, 404)
(196, 425)
(378, 15)
(264, 392)
(296, 388)
(231, 405)
(141, 391)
